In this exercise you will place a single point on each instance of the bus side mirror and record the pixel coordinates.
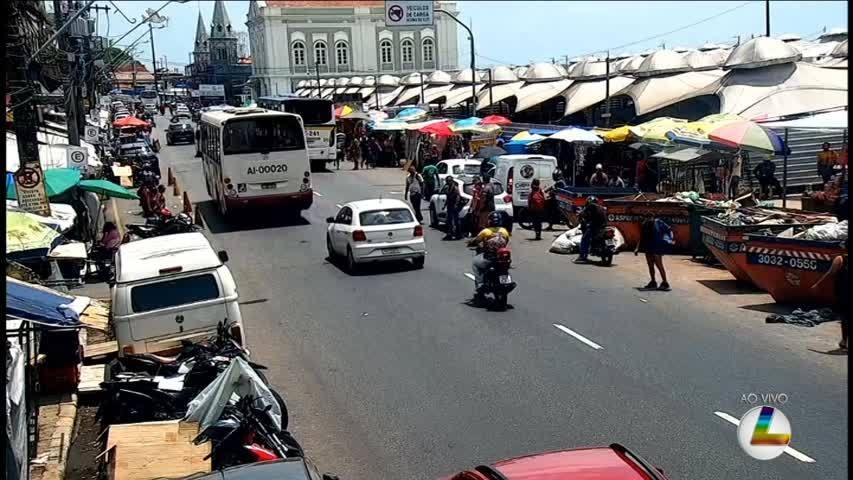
(223, 256)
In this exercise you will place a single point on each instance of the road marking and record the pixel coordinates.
(318, 193)
(470, 275)
(578, 336)
(790, 451)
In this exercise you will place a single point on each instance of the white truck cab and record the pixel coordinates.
(171, 288)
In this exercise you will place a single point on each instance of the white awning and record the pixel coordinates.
(681, 154)
(460, 94)
(340, 90)
(497, 93)
(533, 94)
(821, 121)
(327, 93)
(408, 94)
(367, 91)
(352, 89)
(650, 94)
(53, 155)
(781, 90)
(384, 97)
(314, 92)
(583, 94)
(436, 91)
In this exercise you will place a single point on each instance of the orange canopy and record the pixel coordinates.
(130, 122)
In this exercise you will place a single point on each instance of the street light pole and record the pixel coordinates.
(153, 58)
(767, 16)
(607, 90)
(473, 63)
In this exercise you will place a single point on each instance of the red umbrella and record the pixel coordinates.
(442, 129)
(496, 120)
(130, 122)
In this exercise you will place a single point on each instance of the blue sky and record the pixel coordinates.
(520, 32)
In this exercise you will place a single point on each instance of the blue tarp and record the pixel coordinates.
(543, 131)
(517, 147)
(39, 304)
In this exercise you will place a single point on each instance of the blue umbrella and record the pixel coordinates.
(410, 114)
(466, 123)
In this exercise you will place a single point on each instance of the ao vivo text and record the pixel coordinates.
(764, 398)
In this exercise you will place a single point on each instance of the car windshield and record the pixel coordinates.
(262, 134)
(466, 169)
(389, 216)
(313, 112)
(497, 188)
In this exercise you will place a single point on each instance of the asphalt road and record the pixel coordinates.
(390, 375)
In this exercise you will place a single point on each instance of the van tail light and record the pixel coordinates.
(504, 255)
(507, 198)
(419, 231)
(359, 236)
(510, 181)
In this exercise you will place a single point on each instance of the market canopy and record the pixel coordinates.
(821, 121)
(42, 305)
(653, 93)
(583, 94)
(489, 96)
(573, 134)
(107, 188)
(57, 181)
(533, 94)
(408, 94)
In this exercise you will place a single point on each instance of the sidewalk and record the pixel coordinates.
(123, 212)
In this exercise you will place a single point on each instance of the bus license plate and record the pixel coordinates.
(505, 279)
(269, 186)
(390, 251)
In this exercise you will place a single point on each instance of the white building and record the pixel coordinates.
(291, 39)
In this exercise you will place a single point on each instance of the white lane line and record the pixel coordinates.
(578, 336)
(396, 193)
(790, 451)
(470, 275)
(318, 193)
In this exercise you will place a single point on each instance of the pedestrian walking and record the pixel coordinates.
(341, 143)
(365, 152)
(431, 181)
(826, 161)
(355, 152)
(655, 240)
(414, 191)
(453, 204)
(488, 204)
(839, 272)
(536, 207)
(476, 206)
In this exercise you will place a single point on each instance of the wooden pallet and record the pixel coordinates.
(91, 377)
(145, 451)
(100, 349)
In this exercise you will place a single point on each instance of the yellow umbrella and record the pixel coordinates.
(618, 134)
(696, 133)
(654, 131)
(25, 233)
(524, 135)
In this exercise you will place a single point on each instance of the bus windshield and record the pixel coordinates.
(262, 134)
(148, 94)
(313, 112)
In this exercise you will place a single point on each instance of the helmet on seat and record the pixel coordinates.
(495, 220)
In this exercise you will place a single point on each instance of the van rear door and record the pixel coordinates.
(174, 305)
(527, 169)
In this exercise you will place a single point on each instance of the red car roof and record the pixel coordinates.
(598, 463)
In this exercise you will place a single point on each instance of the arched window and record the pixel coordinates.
(386, 51)
(298, 53)
(342, 53)
(407, 51)
(320, 52)
(428, 50)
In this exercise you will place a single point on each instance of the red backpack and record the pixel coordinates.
(537, 201)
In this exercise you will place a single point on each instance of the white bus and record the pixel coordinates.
(318, 116)
(150, 100)
(253, 157)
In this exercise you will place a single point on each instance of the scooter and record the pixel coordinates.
(604, 246)
(163, 224)
(497, 280)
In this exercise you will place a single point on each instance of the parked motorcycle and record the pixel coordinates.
(497, 280)
(246, 434)
(163, 224)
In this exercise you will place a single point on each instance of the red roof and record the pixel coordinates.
(325, 3)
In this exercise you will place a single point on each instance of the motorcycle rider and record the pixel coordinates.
(488, 242)
(593, 221)
(553, 208)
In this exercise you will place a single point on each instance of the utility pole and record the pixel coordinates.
(491, 98)
(72, 100)
(606, 113)
(153, 58)
(767, 17)
(473, 62)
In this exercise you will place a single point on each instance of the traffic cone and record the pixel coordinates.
(170, 178)
(197, 218)
(188, 207)
(176, 191)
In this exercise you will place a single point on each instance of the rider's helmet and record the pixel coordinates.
(495, 220)
(557, 175)
(591, 199)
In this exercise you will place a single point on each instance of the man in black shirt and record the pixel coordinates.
(765, 172)
(593, 220)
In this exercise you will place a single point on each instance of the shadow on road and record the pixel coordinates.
(731, 287)
(376, 268)
(216, 223)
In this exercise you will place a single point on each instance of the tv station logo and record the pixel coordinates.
(764, 432)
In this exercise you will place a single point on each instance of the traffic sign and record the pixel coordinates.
(91, 134)
(30, 189)
(406, 13)
(77, 158)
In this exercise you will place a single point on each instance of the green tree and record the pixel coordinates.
(116, 57)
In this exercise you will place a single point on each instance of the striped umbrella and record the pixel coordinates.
(695, 134)
(750, 136)
(654, 131)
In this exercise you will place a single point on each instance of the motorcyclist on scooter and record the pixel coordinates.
(553, 208)
(488, 242)
(593, 220)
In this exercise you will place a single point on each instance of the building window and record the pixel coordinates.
(407, 50)
(342, 53)
(428, 48)
(385, 51)
(319, 52)
(298, 53)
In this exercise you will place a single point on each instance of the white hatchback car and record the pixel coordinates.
(375, 231)
(454, 167)
(438, 203)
